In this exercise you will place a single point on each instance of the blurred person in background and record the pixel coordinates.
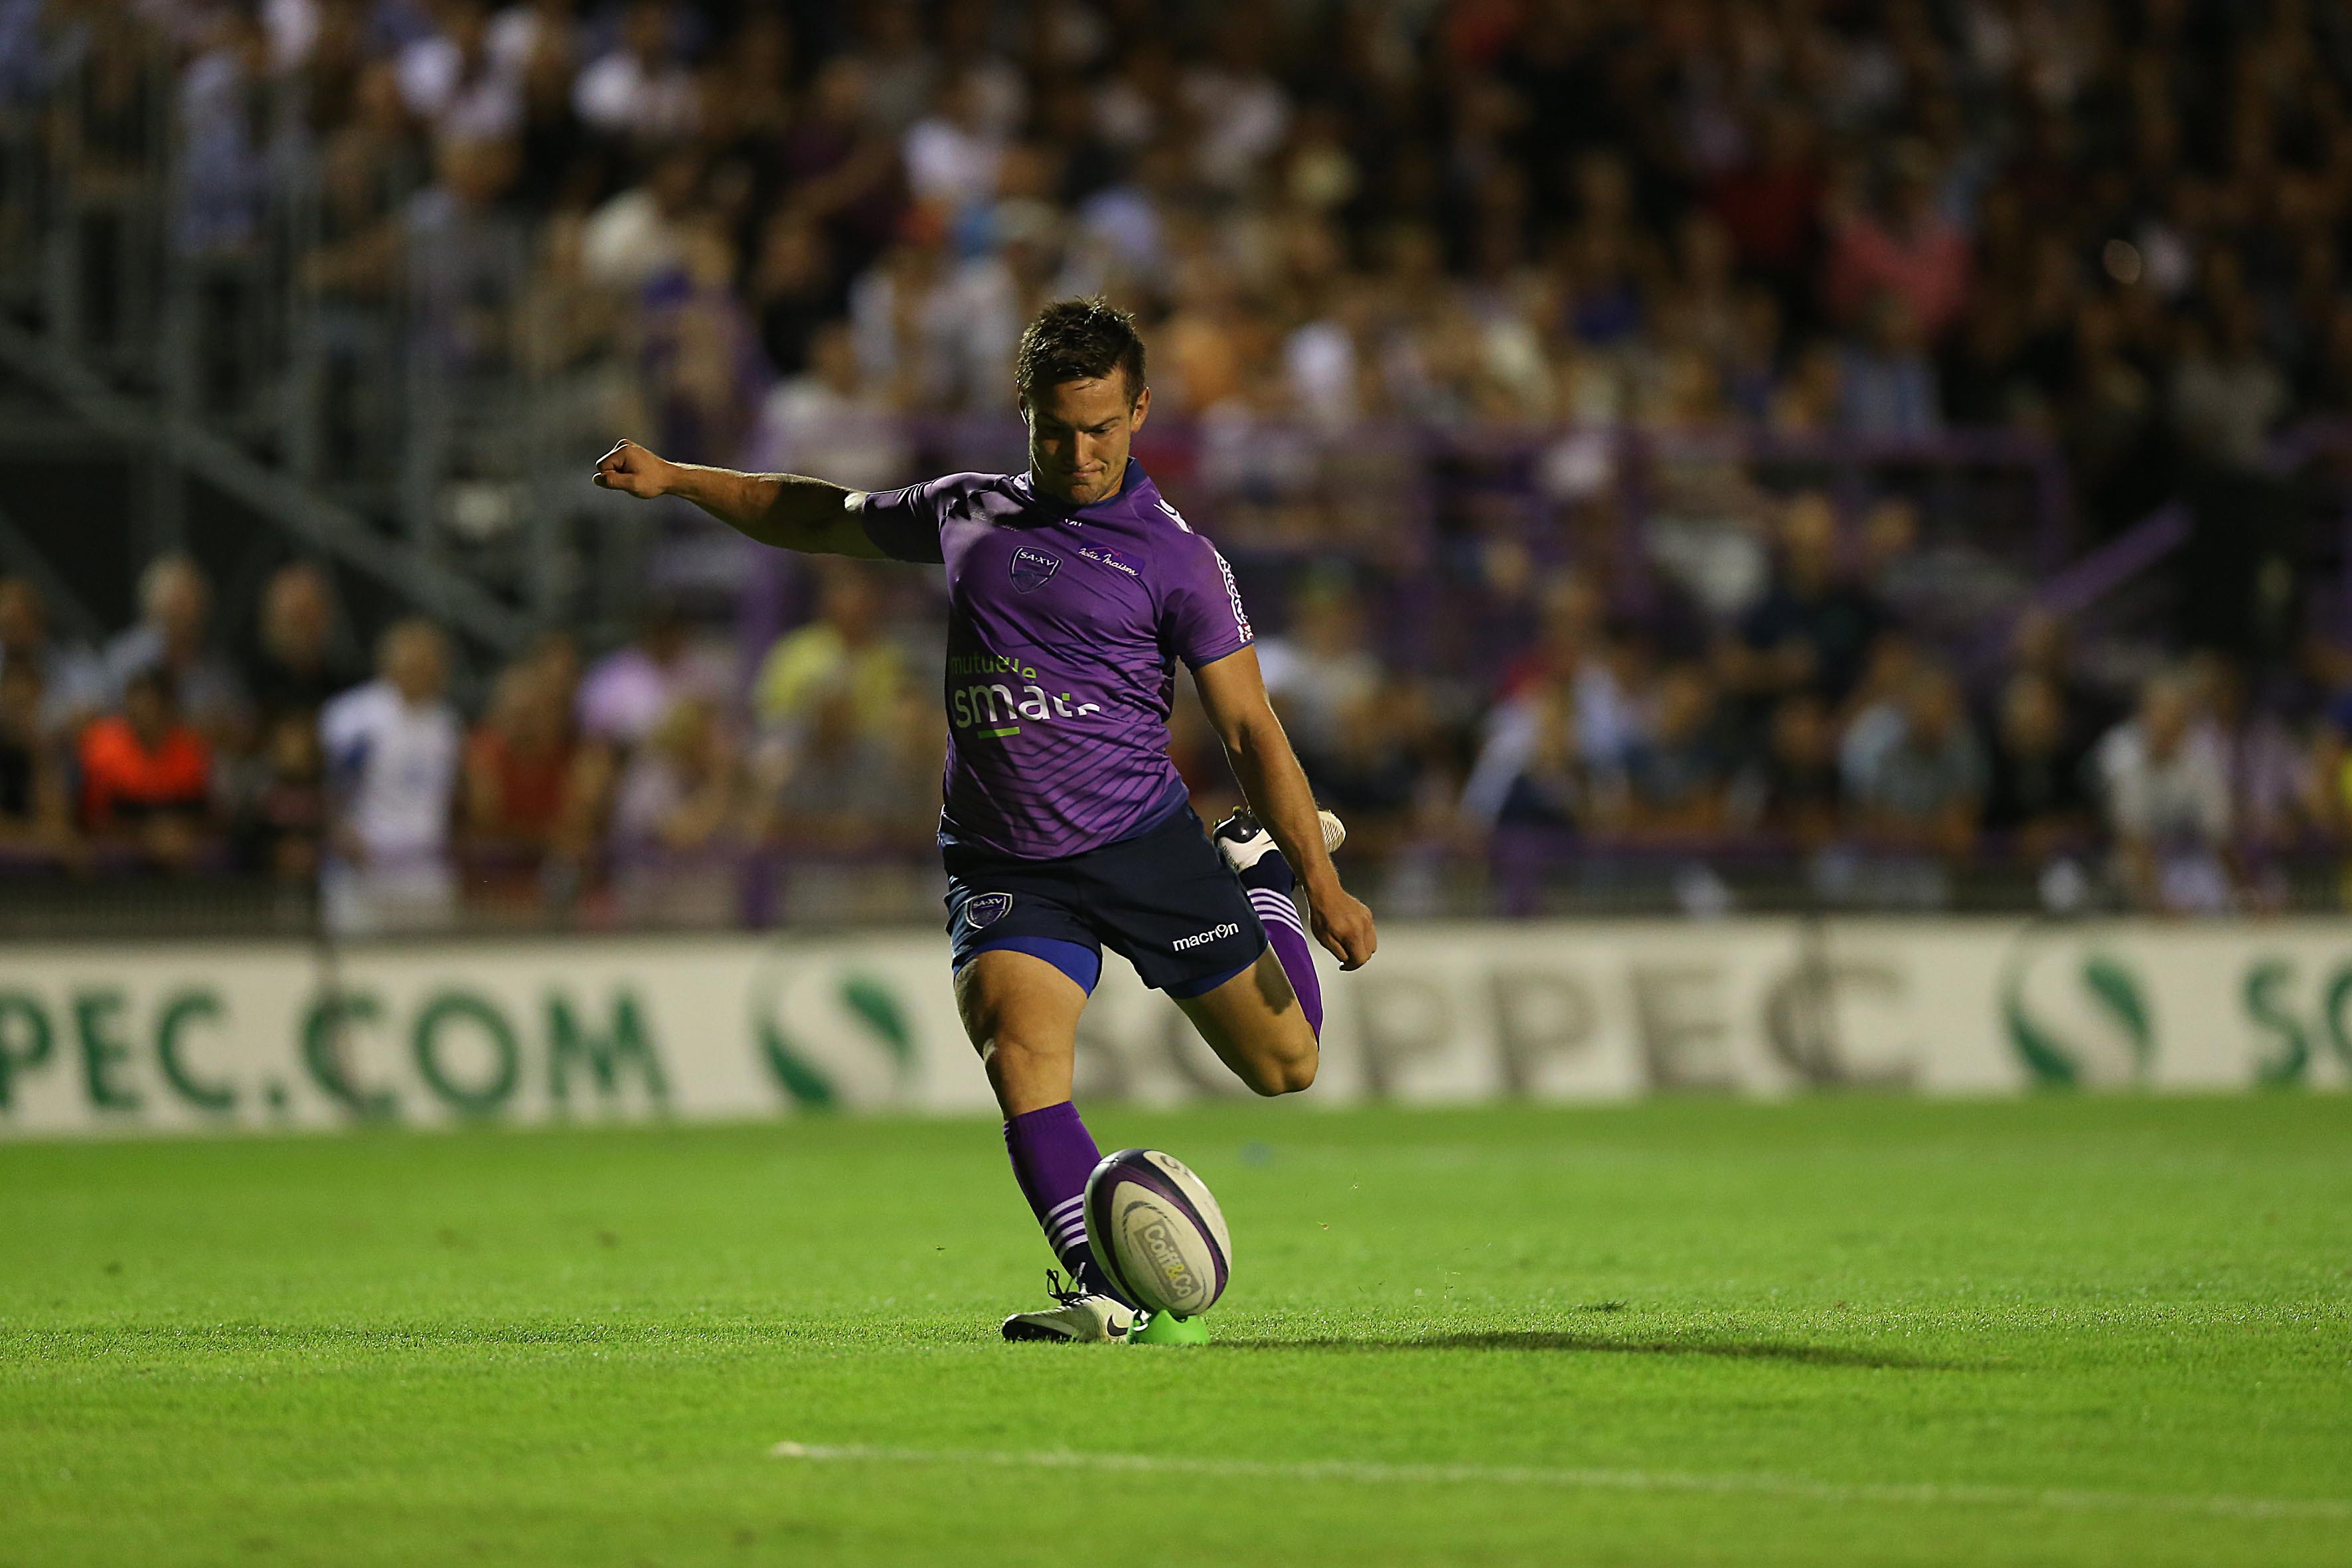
(2039, 798)
(455, 83)
(679, 793)
(2270, 763)
(640, 91)
(2165, 794)
(1534, 772)
(642, 231)
(1888, 382)
(392, 749)
(1322, 669)
(632, 689)
(795, 292)
(73, 688)
(829, 414)
(281, 817)
(1679, 769)
(701, 369)
(1873, 711)
(1381, 772)
(1795, 794)
(1812, 630)
(36, 788)
(294, 668)
(677, 805)
(175, 608)
(520, 760)
(847, 651)
(146, 776)
(835, 789)
(1904, 248)
(1924, 792)
(1575, 642)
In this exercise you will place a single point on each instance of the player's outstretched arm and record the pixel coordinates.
(787, 511)
(1233, 691)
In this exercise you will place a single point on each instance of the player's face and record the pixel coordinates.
(1079, 432)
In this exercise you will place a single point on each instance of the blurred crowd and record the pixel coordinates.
(2115, 222)
(1816, 734)
(180, 748)
(2114, 225)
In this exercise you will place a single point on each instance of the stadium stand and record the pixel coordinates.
(1826, 454)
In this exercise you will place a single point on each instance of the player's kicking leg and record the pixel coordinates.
(1022, 1012)
(1266, 1022)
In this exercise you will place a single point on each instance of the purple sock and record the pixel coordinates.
(1268, 884)
(1052, 1155)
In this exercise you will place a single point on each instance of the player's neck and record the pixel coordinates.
(1118, 488)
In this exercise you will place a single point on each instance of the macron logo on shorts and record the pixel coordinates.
(1203, 938)
(986, 908)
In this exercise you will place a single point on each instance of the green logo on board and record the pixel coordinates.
(2096, 1025)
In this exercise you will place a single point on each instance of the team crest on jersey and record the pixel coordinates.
(986, 908)
(1033, 569)
(1109, 557)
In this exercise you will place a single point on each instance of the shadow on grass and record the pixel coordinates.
(1600, 1345)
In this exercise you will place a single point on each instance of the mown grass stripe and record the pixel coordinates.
(1746, 1483)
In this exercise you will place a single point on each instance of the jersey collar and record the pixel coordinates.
(1132, 482)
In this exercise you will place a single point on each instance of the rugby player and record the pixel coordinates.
(1073, 590)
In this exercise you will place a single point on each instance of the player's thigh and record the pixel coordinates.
(1255, 1024)
(1022, 1016)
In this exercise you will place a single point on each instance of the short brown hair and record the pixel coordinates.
(1079, 339)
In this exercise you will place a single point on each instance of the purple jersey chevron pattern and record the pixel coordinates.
(1064, 630)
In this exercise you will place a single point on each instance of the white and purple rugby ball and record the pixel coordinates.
(1156, 1231)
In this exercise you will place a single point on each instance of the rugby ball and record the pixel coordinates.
(1157, 1233)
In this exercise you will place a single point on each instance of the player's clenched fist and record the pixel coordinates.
(631, 467)
(1344, 924)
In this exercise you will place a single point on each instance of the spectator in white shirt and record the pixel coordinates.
(453, 82)
(2165, 780)
(953, 154)
(394, 748)
(640, 91)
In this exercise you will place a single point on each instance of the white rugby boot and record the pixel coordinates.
(1244, 842)
(1081, 1316)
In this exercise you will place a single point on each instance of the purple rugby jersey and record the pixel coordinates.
(1064, 630)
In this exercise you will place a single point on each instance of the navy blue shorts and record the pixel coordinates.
(1165, 901)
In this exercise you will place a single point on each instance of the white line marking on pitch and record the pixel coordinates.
(1752, 1483)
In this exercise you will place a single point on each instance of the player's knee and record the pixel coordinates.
(1285, 1074)
(1018, 1050)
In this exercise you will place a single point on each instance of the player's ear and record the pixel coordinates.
(1142, 406)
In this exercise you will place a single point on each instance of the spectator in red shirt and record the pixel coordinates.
(146, 774)
(1908, 249)
(518, 759)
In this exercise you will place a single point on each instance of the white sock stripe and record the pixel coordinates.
(1293, 923)
(1066, 1204)
(1263, 896)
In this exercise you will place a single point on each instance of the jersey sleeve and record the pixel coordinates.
(904, 524)
(1201, 616)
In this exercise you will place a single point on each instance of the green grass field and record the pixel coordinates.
(2052, 1331)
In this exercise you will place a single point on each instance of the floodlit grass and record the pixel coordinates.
(2051, 1330)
